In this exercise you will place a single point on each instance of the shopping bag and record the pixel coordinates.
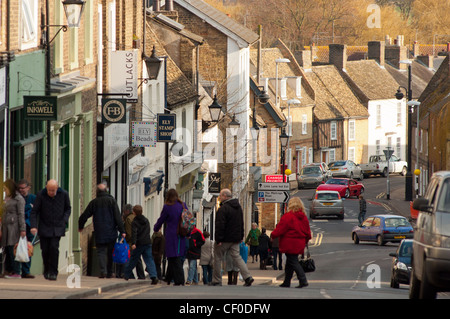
(121, 252)
(307, 263)
(243, 251)
(22, 250)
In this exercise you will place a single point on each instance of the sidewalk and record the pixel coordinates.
(40, 288)
(397, 203)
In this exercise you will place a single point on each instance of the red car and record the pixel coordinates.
(345, 186)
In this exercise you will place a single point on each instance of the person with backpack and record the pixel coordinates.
(141, 245)
(175, 248)
(196, 241)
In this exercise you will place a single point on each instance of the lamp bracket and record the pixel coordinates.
(61, 27)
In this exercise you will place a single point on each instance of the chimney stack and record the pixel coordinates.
(304, 59)
(157, 5)
(396, 53)
(376, 51)
(169, 5)
(338, 55)
(427, 60)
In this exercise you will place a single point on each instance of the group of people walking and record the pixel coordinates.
(47, 215)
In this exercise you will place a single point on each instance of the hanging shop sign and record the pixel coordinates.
(214, 183)
(143, 134)
(42, 108)
(114, 111)
(166, 126)
(123, 74)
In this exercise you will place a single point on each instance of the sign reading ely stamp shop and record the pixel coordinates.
(166, 126)
(114, 111)
(43, 108)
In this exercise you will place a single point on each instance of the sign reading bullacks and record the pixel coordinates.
(114, 111)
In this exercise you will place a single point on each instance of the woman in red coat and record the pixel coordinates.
(294, 233)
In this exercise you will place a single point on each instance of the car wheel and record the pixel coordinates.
(361, 191)
(361, 177)
(427, 290)
(414, 285)
(347, 193)
(404, 171)
(355, 239)
(380, 240)
(394, 283)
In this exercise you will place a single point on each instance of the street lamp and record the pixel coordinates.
(416, 104)
(74, 11)
(153, 64)
(284, 140)
(234, 124)
(399, 96)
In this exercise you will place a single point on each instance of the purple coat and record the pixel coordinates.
(175, 245)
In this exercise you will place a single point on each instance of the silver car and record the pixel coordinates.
(346, 168)
(311, 176)
(327, 203)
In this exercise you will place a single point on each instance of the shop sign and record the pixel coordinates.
(114, 111)
(166, 126)
(42, 108)
(143, 134)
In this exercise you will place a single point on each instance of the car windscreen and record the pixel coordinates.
(337, 164)
(396, 222)
(443, 204)
(336, 182)
(327, 196)
(406, 249)
(310, 170)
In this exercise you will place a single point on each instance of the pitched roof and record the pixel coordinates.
(217, 18)
(421, 75)
(334, 98)
(179, 88)
(268, 57)
(373, 81)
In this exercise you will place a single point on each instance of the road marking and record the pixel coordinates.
(381, 195)
(323, 292)
(129, 292)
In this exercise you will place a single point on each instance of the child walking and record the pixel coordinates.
(207, 259)
(196, 241)
(141, 245)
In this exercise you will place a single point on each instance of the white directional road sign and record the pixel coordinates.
(273, 186)
(273, 196)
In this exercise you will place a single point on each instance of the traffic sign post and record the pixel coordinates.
(388, 153)
(273, 186)
(273, 197)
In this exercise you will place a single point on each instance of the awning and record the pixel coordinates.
(153, 183)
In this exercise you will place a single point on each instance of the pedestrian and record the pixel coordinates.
(13, 227)
(196, 241)
(232, 269)
(294, 233)
(24, 190)
(107, 223)
(141, 245)
(129, 217)
(48, 219)
(158, 247)
(277, 256)
(175, 244)
(207, 258)
(252, 241)
(263, 249)
(229, 233)
(362, 209)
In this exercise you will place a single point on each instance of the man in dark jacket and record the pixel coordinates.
(229, 233)
(107, 221)
(52, 208)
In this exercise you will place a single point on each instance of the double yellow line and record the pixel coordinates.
(317, 241)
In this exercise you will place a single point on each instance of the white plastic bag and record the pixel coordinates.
(22, 250)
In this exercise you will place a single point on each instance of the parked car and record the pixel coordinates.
(431, 247)
(378, 165)
(346, 187)
(401, 264)
(346, 169)
(383, 229)
(311, 176)
(327, 203)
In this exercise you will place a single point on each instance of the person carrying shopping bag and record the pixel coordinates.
(294, 233)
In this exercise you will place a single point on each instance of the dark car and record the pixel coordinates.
(311, 176)
(401, 263)
(383, 229)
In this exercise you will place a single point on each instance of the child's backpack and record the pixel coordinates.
(186, 223)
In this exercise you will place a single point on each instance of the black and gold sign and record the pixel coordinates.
(114, 111)
(42, 108)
